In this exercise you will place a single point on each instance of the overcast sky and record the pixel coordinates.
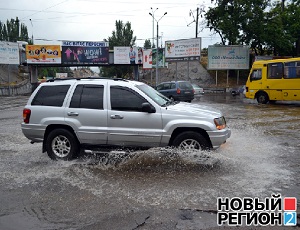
(94, 20)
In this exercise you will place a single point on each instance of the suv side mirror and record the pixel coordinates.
(146, 107)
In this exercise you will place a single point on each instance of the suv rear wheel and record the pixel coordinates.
(61, 144)
(190, 140)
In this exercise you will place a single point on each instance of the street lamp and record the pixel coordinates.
(153, 11)
(156, 83)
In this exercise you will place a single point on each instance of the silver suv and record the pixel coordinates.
(67, 115)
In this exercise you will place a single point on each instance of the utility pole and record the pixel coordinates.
(196, 19)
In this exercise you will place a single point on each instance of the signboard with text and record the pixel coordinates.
(85, 52)
(9, 53)
(228, 57)
(128, 55)
(183, 50)
(147, 59)
(43, 54)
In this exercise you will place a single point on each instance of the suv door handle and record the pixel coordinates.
(73, 114)
(116, 116)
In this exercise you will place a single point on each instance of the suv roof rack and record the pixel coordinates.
(86, 78)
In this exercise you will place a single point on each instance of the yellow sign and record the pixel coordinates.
(43, 54)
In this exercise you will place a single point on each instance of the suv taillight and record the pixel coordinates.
(178, 91)
(26, 115)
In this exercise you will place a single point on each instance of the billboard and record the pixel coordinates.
(43, 54)
(183, 50)
(147, 59)
(128, 55)
(84, 52)
(228, 57)
(9, 53)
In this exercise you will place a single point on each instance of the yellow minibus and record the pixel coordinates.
(274, 80)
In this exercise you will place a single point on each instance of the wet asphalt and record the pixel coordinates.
(149, 189)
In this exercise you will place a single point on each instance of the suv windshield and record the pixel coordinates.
(154, 95)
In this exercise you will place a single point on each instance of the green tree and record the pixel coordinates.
(13, 31)
(224, 19)
(147, 44)
(253, 25)
(51, 71)
(122, 36)
(265, 27)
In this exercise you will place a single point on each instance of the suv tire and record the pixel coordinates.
(61, 144)
(190, 140)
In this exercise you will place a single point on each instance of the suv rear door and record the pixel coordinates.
(127, 124)
(87, 113)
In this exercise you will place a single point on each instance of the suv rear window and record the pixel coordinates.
(53, 95)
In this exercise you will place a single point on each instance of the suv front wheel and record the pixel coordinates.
(191, 140)
(61, 144)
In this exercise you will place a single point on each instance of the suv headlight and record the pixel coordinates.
(220, 123)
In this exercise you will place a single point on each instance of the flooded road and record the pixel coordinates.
(159, 188)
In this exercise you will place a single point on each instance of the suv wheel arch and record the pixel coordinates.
(180, 133)
(61, 144)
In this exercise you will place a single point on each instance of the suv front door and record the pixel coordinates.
(127, 124)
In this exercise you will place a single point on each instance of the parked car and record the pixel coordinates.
(238, 91)
(177, 90)
(198, 91)
(69, 114)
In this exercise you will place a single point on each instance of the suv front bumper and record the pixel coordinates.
(219, 137)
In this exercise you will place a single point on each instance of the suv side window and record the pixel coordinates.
(125, 99)
(51, 95)
(160, 87)
(173, 86)
(88, 97)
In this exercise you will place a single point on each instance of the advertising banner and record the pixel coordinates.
(128, 55)
(183, 50)
(43, 54)
(83, 52)
(147, 59)
(9, 53)
(228, 57)
(161, 58)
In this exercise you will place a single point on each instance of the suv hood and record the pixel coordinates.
(184, 108)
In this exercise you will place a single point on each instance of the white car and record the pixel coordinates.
(198, 91)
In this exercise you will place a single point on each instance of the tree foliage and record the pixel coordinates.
(50, 72)
(122, 36)
(262, 24)
(13, 31)
(147, 44)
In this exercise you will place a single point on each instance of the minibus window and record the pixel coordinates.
(292, 70)
(255, 75)
(275, 71)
